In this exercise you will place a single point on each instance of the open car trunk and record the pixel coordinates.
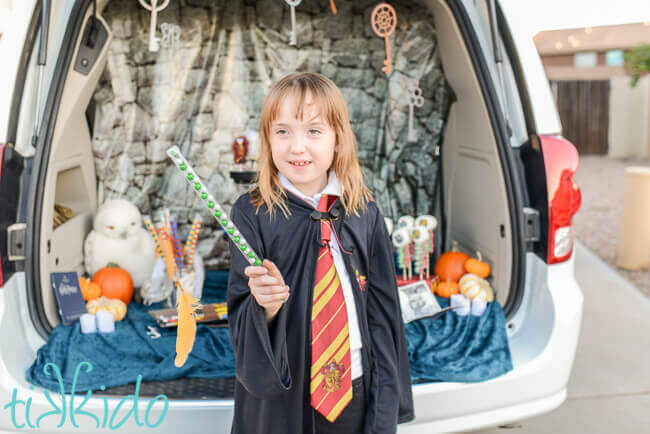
(120, 109)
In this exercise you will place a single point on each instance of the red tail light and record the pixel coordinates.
(561, 163)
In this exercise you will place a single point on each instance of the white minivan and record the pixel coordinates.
(507, 190)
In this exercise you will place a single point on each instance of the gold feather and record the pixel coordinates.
(186, 305)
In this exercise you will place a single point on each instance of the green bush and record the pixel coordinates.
(637, 62)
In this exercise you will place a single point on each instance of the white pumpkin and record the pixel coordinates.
(473, 286)
(114, 306)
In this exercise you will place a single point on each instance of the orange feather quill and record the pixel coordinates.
(186, 305)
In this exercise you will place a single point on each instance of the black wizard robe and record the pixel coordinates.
(272, 362)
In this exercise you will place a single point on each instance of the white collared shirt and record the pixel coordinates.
(334, 188)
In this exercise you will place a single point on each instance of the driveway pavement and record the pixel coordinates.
(609, 388)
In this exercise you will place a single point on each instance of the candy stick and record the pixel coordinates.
(190, 243)
(177, 243)
(149, 226)
(194, 238)
(208, 200)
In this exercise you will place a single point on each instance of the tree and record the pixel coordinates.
(637, 62)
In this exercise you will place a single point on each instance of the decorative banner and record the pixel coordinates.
(153, 7)
(415, 99)
(384, 20)
(292, 5)
(208, 200)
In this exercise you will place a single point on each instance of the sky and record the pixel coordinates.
(566, 14)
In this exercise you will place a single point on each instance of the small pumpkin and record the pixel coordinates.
(477, 266)
(473, 286)
(89, 289)
(113, 306)
(115, 282)
(451, 265)
(447, 288)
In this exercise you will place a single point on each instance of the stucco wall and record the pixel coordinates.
(629, 116)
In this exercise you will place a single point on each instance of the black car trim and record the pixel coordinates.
(11, 167)
(530, 160)
(21, 73)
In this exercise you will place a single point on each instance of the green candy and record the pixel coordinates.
(183, 166)
(190, 176)
(258, 262)
(236, 238)
(224, 222)
(217, 213)
(210, 204)
(197, 185)
(204, 195)
(230, 230)
(251, 254)
(242, 246)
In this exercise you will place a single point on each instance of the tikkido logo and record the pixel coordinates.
(63, 409)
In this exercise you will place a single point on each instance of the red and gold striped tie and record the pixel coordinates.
(331, 378)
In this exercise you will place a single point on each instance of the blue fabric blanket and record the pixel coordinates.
(446, 348)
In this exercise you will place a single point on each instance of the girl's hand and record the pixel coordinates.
(267, 286)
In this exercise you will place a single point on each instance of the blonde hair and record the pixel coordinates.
(329, 99)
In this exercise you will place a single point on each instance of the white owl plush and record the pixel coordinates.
(118, 236)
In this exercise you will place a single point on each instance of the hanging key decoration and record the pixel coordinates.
(292, 4)
(208, 200)
(384, 20)
(415, 100)
(171, 34)
(333, 6)
(154, 8)
(402, 240)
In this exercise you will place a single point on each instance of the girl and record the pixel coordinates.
(317, 330)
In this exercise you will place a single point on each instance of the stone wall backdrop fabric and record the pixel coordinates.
(209, 88)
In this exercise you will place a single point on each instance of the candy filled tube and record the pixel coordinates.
(208, 200)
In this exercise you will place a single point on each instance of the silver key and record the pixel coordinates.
(293, 5)
(153, 7)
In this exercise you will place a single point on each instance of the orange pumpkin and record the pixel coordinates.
(451, 265)
(447, 288)
(115, 282)
(477, 266)
(89, 290)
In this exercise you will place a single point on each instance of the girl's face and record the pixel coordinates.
(302, 151)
